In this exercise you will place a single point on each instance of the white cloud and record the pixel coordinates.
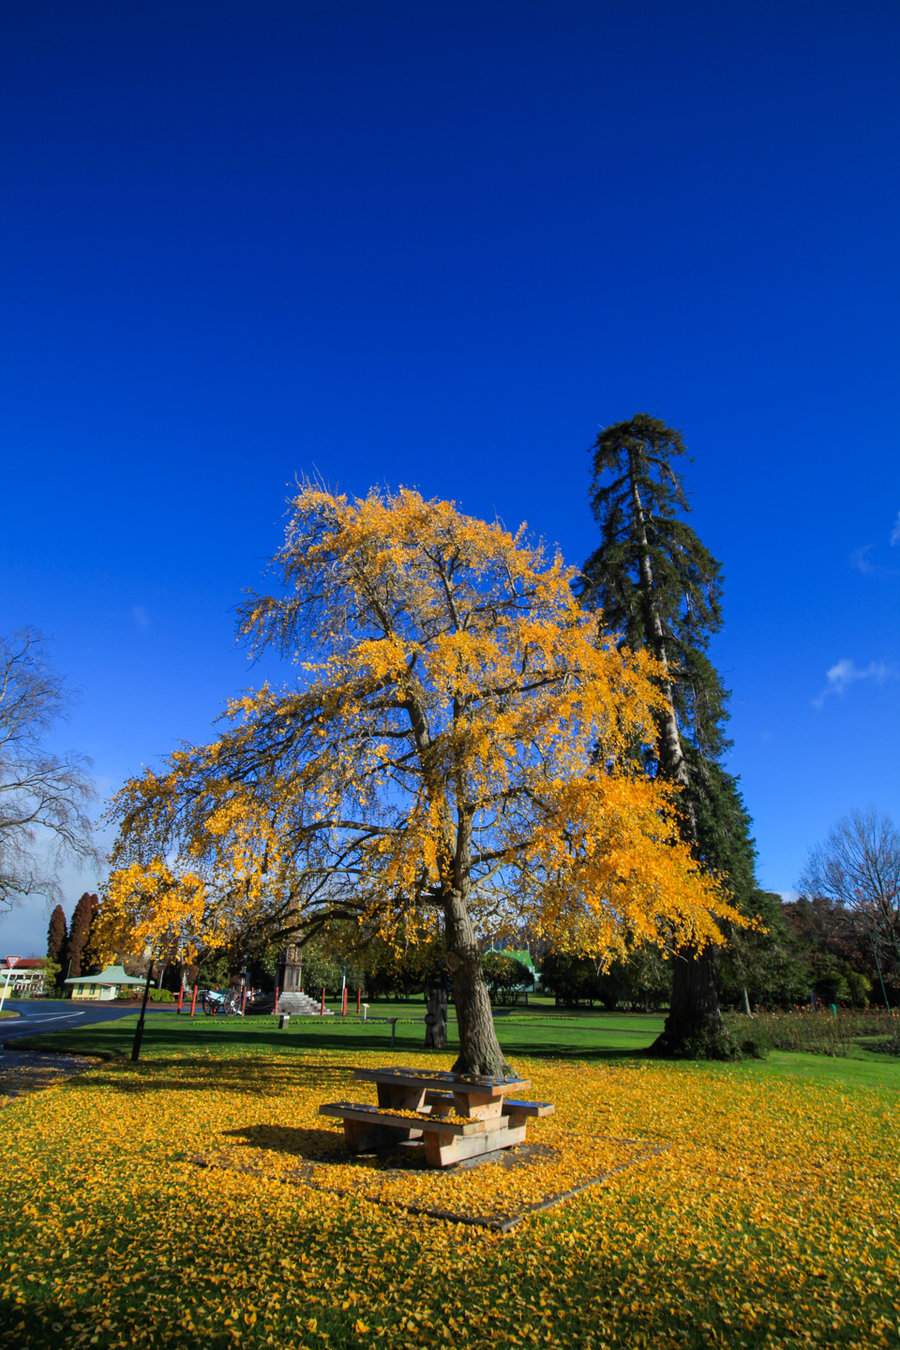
(847, 672)
(859, 559)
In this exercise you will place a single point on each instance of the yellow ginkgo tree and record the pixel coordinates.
(460, 753)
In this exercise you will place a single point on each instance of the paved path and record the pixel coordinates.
(24, 1071)
(27, 1070)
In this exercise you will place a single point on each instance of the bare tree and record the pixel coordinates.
(858, 867)
(43, 797)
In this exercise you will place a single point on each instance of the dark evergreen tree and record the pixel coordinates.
(505, 976)
(661, 589)
(57, 935)
(80, 931)
(57, 938)
(722, 825)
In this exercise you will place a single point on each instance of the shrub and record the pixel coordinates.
(715, 1045)
(823, 1031)
(751, 1035)
(131, 992)
(505, 976)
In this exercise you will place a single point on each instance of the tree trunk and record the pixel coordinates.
(694, 1028)
(671, 755)
(479, 1049)
(139, 1029)
(436, 991)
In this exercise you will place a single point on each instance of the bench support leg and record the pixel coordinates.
(400, 1098)
(443, 1152)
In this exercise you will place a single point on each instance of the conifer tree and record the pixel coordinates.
(80, 931)
(57, 937)
(57, 934)
(661, 588)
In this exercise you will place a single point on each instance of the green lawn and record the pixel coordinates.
(520, 1032)
(535, 1032)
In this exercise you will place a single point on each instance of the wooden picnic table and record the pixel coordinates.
(456, 1116)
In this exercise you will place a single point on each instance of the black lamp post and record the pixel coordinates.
(139, 1029)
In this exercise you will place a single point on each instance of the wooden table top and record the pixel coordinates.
(445, 1081)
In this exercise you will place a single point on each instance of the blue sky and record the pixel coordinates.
(442, 245)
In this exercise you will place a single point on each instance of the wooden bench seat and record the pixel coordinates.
(535, 1109)
(443, 1102)
(367, 1128)
(380, 1115)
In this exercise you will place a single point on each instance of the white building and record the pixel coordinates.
(26, 976)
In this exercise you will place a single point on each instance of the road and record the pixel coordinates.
(61, 1015)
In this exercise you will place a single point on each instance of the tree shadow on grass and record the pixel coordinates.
(607, 1054)
(313, 1145)
(189, 1074)
(223, 1054)
(111, 1040)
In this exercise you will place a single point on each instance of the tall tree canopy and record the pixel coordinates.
(661, 589)
(81, 932)
(459, 752)
(57, 935)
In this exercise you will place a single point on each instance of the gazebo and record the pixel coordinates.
(104, 986)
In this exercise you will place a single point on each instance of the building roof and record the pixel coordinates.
(523, 957)
(111, 975)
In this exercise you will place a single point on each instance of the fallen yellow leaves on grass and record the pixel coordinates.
(767, 1217)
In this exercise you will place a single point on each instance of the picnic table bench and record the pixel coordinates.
(456, 1116)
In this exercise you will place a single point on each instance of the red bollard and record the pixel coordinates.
(358, 1001)
(275, 1009)
(344, 1002)
(244, 1001)
(180, 997)
(322, 1012)
(194, 1001)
